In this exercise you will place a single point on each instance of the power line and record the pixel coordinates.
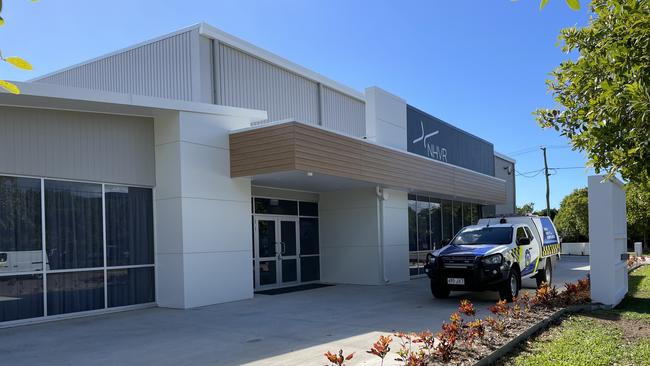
(535, 173)
(527, 174)
(532, 149)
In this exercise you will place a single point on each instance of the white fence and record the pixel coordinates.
(575, 248)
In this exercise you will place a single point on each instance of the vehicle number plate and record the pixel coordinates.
(455, 281)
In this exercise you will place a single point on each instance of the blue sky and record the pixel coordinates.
(479, 65)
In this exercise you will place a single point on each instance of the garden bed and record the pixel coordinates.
(468, 340)
(601, 337)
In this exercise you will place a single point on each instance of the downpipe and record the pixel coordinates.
(381, 197)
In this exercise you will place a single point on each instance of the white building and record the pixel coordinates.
(196, 168)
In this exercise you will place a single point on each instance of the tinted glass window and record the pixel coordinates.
(424, 231)
(20, 225)
(288, 238)
(486, 235)
(436, 224)
(413, 224)
(310, 269)
(308, 236)
(458, 217)
(474, 211)
(21, 297)
(74, 291)
(129, 226)
(130, 286)
(275, 206)
(467, 214)
(521, 233)
(529, 233)
(447, 224)
(308, 208)
(266, 238)
(73, 219)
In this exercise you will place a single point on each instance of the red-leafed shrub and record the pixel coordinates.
(381, 347)
(338, 359)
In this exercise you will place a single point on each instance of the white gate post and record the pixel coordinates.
(608, 240)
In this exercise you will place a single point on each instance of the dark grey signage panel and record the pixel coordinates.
(435, 139)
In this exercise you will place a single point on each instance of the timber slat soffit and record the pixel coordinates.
(294, 146)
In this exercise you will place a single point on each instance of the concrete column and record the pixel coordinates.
(203, 217)
(607, 240)
(395, 240)
(385, 118)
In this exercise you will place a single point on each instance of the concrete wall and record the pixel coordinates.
(203, 222)
(385, 118)
(394, 220)
(77, 145)
(284, 194)
(608, 240)
(505, 170)
(349, 234)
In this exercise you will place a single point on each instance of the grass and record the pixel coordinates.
(637, 303)
(603, 338)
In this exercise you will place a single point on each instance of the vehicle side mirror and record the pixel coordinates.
(444, 242)
(523, 241)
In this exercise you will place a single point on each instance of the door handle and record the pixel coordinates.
(283, 247)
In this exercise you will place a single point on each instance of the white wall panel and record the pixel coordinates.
(162, 68)
(505, 170)
(343, 113)
(249, 82)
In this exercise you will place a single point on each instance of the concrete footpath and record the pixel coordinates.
(289, 329)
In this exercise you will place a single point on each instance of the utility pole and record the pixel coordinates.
(548, 191)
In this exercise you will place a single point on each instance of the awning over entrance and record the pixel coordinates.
(284, 149)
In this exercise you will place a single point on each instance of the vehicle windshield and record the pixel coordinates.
(484, 235)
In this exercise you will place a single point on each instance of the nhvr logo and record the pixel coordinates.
(433, 151)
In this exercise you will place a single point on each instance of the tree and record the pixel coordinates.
(638, 212)
(572, 219)
(527, 208)
(12, 60)
(603, 96)
(543, 212)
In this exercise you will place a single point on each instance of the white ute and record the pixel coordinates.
(496, 254)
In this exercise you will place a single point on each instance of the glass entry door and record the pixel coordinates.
(276, 251)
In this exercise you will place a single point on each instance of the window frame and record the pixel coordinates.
(105, 268)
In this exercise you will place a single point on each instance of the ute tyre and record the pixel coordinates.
(510, 288)
(545, 274)
(439, 292)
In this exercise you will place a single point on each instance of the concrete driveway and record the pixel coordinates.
(289, 329)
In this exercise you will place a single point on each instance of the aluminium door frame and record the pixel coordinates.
(278, 236)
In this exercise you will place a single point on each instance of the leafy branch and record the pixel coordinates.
(15, 61)
(573, 4)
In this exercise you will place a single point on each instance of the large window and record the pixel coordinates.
(129, 226)
(21, 240)
(73, 225)
(96, 241)
(432, 222)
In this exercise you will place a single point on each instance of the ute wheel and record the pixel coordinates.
(439, 292)
(545, 274)
(510, 288)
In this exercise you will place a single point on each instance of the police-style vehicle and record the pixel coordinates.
(496, 254)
